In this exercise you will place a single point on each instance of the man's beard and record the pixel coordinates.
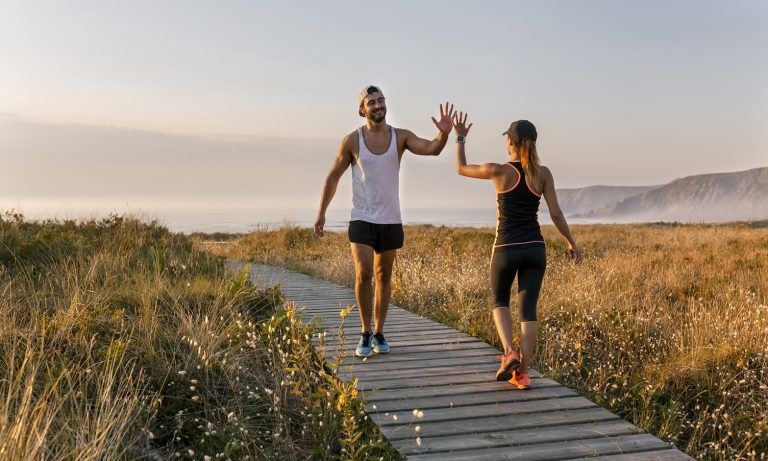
(378, 117)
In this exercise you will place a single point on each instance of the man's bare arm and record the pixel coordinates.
(341, 162)
(421, 146)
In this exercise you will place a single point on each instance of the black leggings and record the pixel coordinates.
(529, 265)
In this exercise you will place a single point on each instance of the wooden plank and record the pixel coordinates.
(417, 340)
(331, 328)
(378, 396)
(395, 357)
(397, 348)
(406, 383)
(670, 454)
(502, 437)
(398, 336)
(398, 373)
(493, 423)
(384, 366)
(408, 403)
(554, 451)
(480, 411)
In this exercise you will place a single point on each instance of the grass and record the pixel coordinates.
(119, 340)
(664, 324)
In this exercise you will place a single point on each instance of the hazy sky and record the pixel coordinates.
(189, 102)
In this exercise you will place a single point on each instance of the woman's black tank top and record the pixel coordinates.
(517, 225)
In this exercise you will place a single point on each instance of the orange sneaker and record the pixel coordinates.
(509, 363)
(521, 380)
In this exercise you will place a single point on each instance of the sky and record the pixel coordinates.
(242, 104)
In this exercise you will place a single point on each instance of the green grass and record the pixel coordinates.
(120, 340)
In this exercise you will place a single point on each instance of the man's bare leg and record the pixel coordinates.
(363, 257)
(382, 263)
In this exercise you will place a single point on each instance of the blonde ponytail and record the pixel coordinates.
(530, 160)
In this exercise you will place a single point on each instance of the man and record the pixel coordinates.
(375, 229)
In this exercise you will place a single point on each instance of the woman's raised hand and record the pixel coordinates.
(460, 123)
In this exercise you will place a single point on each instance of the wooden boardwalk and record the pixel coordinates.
(462, 413)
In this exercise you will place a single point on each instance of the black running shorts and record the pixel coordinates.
(380, 237)
(528, 264)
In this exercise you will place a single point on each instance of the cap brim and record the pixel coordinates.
(506, 133)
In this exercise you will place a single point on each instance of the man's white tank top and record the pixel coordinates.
(376, 184)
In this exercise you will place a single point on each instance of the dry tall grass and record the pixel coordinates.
(666, 325)
(119, 340)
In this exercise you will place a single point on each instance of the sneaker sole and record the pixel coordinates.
(507, 373)
(381, 352)
(359, 354)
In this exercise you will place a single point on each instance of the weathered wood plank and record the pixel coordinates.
(378, 396)
(555, 451)
(659, 455)
(408, 338)
(383, 366)
(478, 398)
(493, 423)
(398, 373)
(502, 437)
(404, 337)
(480, 411)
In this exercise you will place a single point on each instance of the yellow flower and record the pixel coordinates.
(344, 312)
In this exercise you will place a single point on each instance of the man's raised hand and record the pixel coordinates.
(446, 119)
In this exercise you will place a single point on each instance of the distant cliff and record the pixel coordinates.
(588, 199)
(709, 197)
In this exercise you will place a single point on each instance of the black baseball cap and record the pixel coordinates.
(521, 129)
(364, 93)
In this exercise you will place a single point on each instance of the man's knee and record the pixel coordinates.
(364, 274)
(383, 277)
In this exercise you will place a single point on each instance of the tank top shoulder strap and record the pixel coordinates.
(517, 182)
(393, 139)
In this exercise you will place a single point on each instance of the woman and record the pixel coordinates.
(519, 246)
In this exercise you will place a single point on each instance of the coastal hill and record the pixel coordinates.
(718, 197)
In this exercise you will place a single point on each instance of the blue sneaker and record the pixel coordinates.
(380, 345)
(364, 346)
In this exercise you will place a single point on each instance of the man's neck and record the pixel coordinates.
(376, 127)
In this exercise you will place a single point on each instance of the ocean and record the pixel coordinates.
(241, 220)
(245, 220)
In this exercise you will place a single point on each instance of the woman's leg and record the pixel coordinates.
(502, 275)
(503, 272)
(502, 317)
(530, 277)
(528, 331)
